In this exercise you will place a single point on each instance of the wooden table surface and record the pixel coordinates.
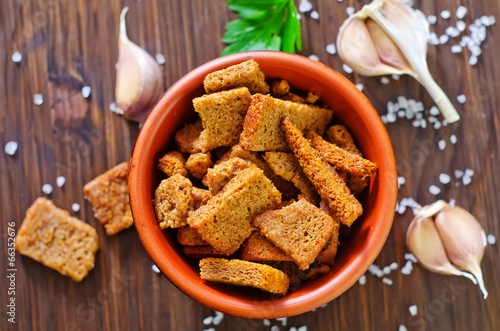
(67, 44)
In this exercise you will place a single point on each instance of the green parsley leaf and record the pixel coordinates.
(263, 25)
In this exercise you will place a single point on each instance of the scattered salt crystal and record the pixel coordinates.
(360, 87)
(402, 328)
(401, 181)
(302, 328)
(375, 270)
(386, 270)
(432, 119)
(452, 202)
(423, 123)
(434, 190)
(434, 111)
(402, 101)
(75, 207)
(331, 49)
(466, 180)
(384, 119)
(384, 80)
(209, 329)
(443, 39)
(456, 49)
(410, 257)
(38, 99)
(47, 189)
(444, 178)
(492, 240)
(473, 60)
(452, 31)
(469, 172)
(11, 148)
(401, 113)
(340, 0)
(462, 98)
(386, 281)
(437, 125)
(433, 39)
(362, 280)
(155, 268)
(459, 174)
(324, 306)
(16, 57)
(60, 181)
(408, 267)
(461, 11)
(160, 58)
(266, 322)
(390, 107)
(315, 15)
(393, 266)
(314, 57)
(275, 328)
(283, 320)
(305, 6)
(442, 144)
(413, 310)
(114, 108)
(347, 68)
(293, 328)
(432, 19)
(208, 320)
(395, 76)
(445, 14)
(401, 209)
(416, 123)
(350, 10)
(218, 317)
(461, 26)
(86, 91)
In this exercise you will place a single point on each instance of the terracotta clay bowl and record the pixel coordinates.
(355, 255)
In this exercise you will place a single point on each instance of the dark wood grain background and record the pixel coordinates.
(67, 44)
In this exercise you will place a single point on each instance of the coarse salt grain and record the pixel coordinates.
(350, 10)
(396, 76)
(407, 268)
(305, 6)
(38, 99)
(441, 143)
(266, 322)
(360, 86)
(75, 207)
(473, 60)
(155, 268)
(347, 68)
(410, 257)
(302, 328)
(11, 148)
(86, 90)
(209, 329)
(433, 39)
(114, 108)
(283, 320)
(452, 32)
(452, 203)
(461, 11)
(445, 14)
(456, 49)
(434, 190)
(293, 328)
(60, 181)
(340, 0)
(16, 57)
(466, 180)
(401, 181)
(47, 189)
(275, 328)
(469, 172)
(386, 270)
(443, 39)
(160, 58)
(444, 178)
(461, 98)
(362, 280)
(208, 320)
(386, 281)
(402, 328)
(384, 80)
(314, 57)
(492, 240)
(393, 266)
(413, 310)
(434, 111)
(331, 49)
(315, 15)
(401, 209)
(218, 317)
(432, 19)
(437, 125)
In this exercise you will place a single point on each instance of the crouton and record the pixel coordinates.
(261, 129)
(311, 98)
(108, 194)
(300, 230)
(327, 182)
(287, 166)
(51, 236)
(258, 248)
(198, 163)
(328, 253)
(279, 88)
(201, 252)
(244, 273)
(188, 138)
(340, 136)
(297, 276)
(224, 222)
(222, 173)
(173, 163)
(200, 197)
(246, 74)
(189, 237)
(173, 201)
(340, 158)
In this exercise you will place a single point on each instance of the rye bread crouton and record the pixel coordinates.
(244, 273)
(187, 236)
(328, 253)
(246, 74)
(222, 115)
(259, 248)
(340, 136)
(222, 173)
(345, 207)
(200, 197)
(279, 88)
(262, 131)
(173, 201)
(173, 163)
(188, 138)
(198, 164)
(51, 236)
(108, 194)
(300, 230)
(286, 166)
(224, 222)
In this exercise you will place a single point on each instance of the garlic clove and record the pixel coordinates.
(139, 82)
(462, 237)
(423, 241)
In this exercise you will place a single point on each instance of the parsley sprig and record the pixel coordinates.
(263, 25)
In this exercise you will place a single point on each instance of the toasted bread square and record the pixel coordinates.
(108, 194)
(189, 237)
(198, 164)
(200, 197)
(51, 236)
(279, 88)
(262, 131)
(173, 201)
(327, 255)
(340, 136)
(300, 230)
(244, 273)
(259, 248)
(222, 115)
(246, 74)
(188, 138)
(222, 173)
(345, 207)
(224, 222)
(173, 163)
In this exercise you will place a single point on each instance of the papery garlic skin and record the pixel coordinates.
(462, 237)
(139, 82)
(404, 42)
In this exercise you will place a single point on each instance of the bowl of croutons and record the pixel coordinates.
(263, 184)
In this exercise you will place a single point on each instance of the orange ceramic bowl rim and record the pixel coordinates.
(354, 258)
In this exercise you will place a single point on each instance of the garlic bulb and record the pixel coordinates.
(453, 240)
(138, 78)
(389, 37)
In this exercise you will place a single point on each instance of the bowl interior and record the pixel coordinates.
(369, 233)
